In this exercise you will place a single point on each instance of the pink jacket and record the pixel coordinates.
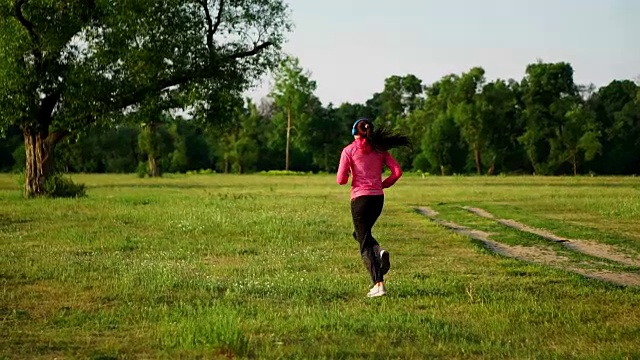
(365, 166)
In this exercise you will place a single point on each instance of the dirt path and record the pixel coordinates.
(546, 256)
(587, 247)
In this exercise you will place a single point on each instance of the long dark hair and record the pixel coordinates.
(382, 138)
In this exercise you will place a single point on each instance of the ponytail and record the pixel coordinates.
(381, 139)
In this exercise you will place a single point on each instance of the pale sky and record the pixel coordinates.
(351, 46)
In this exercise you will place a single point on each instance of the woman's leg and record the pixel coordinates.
(365, 210)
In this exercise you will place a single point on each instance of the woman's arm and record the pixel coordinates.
(396, 171)
(343, 170)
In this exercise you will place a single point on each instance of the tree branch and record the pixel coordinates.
(56, 136)
(180, 78)
(256, 50)
(210, 31)
(211, 27)
(47, 105)
(28, 25)
(24, 22)
(219, 17)
(139, 95)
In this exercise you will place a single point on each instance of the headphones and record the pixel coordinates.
(354, 130)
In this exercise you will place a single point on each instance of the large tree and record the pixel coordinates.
(548, 94)
(466, 111)
(617, 108)
(65, 66)
(399, 98)
(497, 106)
(442, 146)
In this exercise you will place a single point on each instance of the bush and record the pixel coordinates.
(59, 186)
(142, 170)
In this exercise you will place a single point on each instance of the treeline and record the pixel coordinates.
(544, 124)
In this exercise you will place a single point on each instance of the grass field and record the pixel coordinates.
(265, 267)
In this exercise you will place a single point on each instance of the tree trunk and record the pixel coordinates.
(154, 171)
(492, 169)
(476, 152)
(286, 163)
(575, 165)
(39, 148)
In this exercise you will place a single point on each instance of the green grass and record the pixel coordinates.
(265, 267)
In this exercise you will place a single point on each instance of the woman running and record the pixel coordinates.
(364, 159)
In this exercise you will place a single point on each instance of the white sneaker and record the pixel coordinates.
(377, 290)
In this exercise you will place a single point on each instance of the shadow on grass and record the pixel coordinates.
(9, 221)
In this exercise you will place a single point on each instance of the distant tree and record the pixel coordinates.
(399, 98)
(548, 93)
(325, 136)
(191, 149)
(577, 138)
(466, 107)
(498, 109)
(241, 140)
(292, 95)
(119, 147)
(8, 145)
(155, 143)
(401, 95)
(442, 146)
(617, 114)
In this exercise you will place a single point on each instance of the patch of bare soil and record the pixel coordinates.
(427, 212)
(620, 278)
(587, 247)
(546, 256)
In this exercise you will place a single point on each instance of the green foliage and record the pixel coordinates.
(142, 170)
(155, 142)
(548, 93)
(467, 115)
(395, 107)
(459, 124)
(238, 142)
(10, 143)
(19, 158)
(58, 186)
(576, 139)
(498, 107)
(65, 67)
(294, 104)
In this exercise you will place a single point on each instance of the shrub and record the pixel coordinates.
(59, 186)
(142, 170)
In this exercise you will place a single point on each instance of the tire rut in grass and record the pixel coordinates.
(534, 254)
(587, 247)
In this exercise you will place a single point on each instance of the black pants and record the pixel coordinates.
(365, 210)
